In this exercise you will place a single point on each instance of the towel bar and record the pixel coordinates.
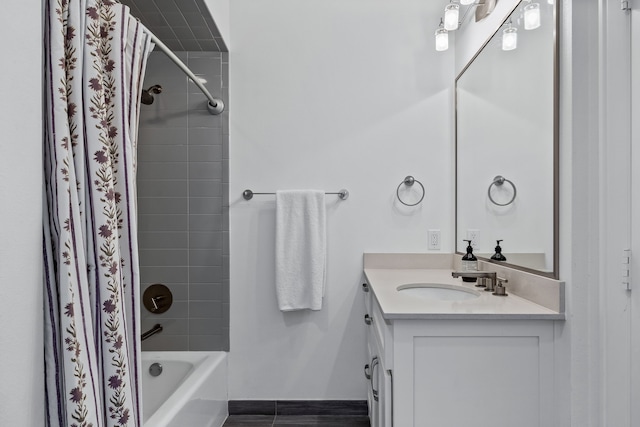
(248, 194)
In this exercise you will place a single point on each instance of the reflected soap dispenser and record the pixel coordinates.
(498, 255)
(469, 262)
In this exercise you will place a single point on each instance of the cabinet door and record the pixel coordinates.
(385, 396)
(371, 354)
(372, 395)
(381, 388)
(480, 374)
(381, 394)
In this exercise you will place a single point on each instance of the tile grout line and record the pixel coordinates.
(188, 225)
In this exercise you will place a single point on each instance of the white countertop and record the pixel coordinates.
(396, 305)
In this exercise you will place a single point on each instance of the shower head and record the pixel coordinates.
(147, 94)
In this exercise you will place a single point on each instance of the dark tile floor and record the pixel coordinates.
(297, 420)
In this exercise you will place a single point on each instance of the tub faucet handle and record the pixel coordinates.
(157, 298)
(154, 301)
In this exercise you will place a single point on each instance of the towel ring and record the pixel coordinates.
(498, 181)
(409, 181)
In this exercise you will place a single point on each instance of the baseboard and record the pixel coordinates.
(298, 407)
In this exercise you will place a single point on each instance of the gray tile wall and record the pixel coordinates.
(183, 25)
(183, 203)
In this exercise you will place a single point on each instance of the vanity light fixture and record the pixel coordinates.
(531, 16)
(509, 37)
(452, 22)
(442, 38)
(451, 16)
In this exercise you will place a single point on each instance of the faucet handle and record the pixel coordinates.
(501, 290)
(157, 298)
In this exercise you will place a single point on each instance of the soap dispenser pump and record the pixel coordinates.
(469, 262)
(498, 255)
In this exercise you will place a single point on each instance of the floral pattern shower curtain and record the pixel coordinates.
(95, 59)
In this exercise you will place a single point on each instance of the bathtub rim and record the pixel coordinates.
(204, 363)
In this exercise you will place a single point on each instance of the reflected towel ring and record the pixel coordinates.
(409, 181)
(498, 181)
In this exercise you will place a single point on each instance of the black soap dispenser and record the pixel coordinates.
(469, 262)
(498, 255)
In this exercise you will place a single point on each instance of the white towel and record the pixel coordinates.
(300, 249)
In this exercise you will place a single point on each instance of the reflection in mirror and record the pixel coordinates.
(506, 145)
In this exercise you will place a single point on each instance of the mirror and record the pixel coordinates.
(507, 145)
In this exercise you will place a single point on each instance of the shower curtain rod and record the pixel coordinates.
(215, 105)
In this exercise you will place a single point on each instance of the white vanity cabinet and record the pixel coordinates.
(459, 372)
(378, 366)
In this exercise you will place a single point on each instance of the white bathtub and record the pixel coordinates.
(190, 391)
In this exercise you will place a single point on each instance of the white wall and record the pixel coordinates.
(618, 229)
(330, 95)
(635, 296)
(578, 342)
(21, 363)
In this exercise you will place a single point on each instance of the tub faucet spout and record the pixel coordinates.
(157, 328)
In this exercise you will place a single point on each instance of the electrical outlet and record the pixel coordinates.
(434, 240)
(473, 234)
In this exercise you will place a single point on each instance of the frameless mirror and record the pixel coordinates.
(507, 143)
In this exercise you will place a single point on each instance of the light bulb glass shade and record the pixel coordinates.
(509, 38)
(550, 1)
(451, 15)
(442, 39)
(531, 16)
(467, 2)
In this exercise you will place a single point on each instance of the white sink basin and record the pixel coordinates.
(438, 291)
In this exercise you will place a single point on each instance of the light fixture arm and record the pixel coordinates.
(469, 7)
(443, 27)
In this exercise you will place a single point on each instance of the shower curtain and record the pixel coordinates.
(95, 56)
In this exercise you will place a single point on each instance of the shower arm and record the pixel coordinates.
(215, 105)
